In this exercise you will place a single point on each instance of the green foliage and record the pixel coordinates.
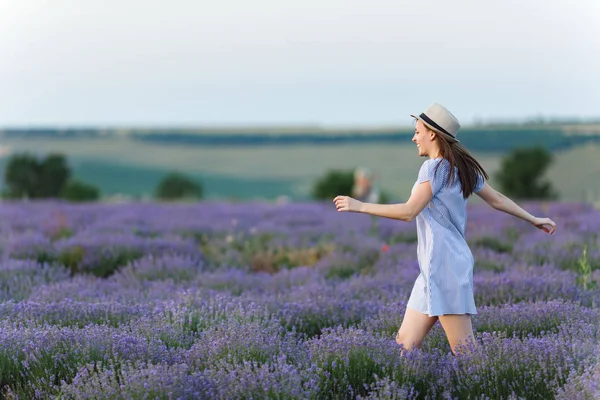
(584, 270)
(385, 197)
(493, 243)
(77, 191)
(22, 176)
(71, 258)
(341, 271)
(26, 176)
(358, 371)
(403, 237)
(105, 265)
(521, 172)
(333, 183)
(178, 186)
(53, 175)
(489, 265)
(353, 262)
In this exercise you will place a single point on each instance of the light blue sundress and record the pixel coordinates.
(445, 281)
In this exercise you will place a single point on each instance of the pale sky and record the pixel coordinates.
(273, 62)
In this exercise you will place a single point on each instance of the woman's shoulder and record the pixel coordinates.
(436, 163)
(428, 163)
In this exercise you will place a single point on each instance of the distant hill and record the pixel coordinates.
(497, 138)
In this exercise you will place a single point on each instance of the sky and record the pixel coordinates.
(295, 62)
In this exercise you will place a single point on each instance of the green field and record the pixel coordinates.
(121, 165)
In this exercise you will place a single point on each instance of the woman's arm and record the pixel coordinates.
(403, 211)
(399, 211)
(502, 203)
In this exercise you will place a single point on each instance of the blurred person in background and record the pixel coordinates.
(364, 188)
(444, 288)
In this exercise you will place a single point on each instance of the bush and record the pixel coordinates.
(521, 171)
(54, 175)
(178, 186)
(26, 176)
(77, 191)
(21, 176)
(333, 183)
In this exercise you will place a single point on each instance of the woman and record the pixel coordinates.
(444, 288)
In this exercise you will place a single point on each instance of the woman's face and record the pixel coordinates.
(423, 138)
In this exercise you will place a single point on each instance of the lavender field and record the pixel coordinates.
(296, 301)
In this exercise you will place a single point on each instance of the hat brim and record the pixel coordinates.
(434, 128)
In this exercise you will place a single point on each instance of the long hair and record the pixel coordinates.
(458, 156)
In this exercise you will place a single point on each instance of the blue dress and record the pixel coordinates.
(445, 281)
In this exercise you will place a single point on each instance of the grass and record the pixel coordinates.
(268, 171)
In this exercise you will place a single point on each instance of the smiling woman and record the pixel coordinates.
(437, 142)
(444, 288)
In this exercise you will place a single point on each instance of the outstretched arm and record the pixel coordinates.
(403, 211)
(502, 203)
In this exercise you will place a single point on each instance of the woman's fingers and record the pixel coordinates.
(549, 226)
(546, 225)
(341, 203)
(552, 226)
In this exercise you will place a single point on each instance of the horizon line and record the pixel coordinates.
(289, 127)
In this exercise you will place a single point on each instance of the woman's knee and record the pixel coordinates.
(414, 328)
(407, 341)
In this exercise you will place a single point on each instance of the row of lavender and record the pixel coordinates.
(292, 301)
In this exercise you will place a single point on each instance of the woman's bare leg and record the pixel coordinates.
(414, 327)
(458, 329)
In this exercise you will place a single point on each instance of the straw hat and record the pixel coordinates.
(439, 119)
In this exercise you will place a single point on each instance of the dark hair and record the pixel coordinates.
(468, 167)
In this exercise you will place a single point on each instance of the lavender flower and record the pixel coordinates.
(223, 301)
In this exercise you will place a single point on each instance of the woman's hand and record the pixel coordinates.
(545, 224)
(346, 203)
